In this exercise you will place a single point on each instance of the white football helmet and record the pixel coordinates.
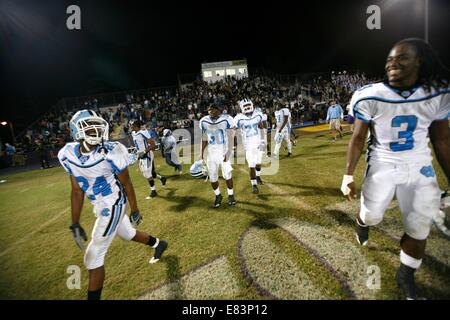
(167, 132)
(442, 220)
(88, 126)
(246, 105)
(198, 170)
(132, 155)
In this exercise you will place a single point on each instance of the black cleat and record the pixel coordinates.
(163, 181)
(362, 234)
(218, 201)
(162, 246)
(259, 181)
(255, 190)
(289, 154)
(405, 281)
(152, 194)
(231, 200)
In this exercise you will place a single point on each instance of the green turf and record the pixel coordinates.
(36, 246)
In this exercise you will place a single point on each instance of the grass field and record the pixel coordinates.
(295, 240)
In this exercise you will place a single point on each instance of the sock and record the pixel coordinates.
(152, 184)
(158, 176)
(258, 172)
(277, 148)
(289, 147)
(153, 242)
(217, 191)
(230, 191)
(95, 295)
(409, 261)
(253, 181)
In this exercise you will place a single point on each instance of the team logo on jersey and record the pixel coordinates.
(105, 212)
(84, 158)
(427, 171)
(406, 93)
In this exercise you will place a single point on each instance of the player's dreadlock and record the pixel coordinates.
(432, 72)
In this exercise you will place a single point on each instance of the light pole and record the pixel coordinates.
(4, 123)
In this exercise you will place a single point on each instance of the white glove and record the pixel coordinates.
(345, 182)
(262, 146)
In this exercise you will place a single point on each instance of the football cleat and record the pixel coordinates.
(152, 194)
(218, 201)
(231, 200)
(405, 281)
(289, 154)
(163, 181)
(255, 190)
(362, 234)
(259, 180)
(159, 250)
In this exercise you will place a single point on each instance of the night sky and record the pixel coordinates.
(139, 44)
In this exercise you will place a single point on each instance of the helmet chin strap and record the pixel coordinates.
(86, 146)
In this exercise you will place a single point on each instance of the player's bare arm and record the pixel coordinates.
(76, 200)
(151, 145)
(124, 178)
(230, 134)
(440, 139)
(354, 151)
(204, 144)
(285, 121)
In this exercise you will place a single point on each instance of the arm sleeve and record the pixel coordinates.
(118, 158)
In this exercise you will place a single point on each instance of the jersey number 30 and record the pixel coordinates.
(408, 143)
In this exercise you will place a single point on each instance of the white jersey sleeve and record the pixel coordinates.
(443, 111)
(62, 157)
(361, 107)
(118, 158)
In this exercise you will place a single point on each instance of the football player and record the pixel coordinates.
(145, 144)
(98, 168)
(402, 114)
(217, 134)
(264, 129)
(250, 123)
(283, 130)
(169, 150)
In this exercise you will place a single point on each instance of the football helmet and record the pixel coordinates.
(246, 106)
(132, 155)
(87, 125)
(198, 170)
(167, 132)
(442, 220)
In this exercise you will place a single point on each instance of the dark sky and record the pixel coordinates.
(139, 44)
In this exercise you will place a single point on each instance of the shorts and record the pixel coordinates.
(213, 162)
(253, 156)
(335, 124)
(147, 166)
(111, 221)
(416, 189)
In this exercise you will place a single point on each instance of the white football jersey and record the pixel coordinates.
(279, 116)
(97, 171)
(216, 130)
(399, 121)
(249, 126)
(140, 140)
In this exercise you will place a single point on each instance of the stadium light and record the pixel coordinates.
(4, 123)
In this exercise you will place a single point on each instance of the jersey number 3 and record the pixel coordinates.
(407, 135)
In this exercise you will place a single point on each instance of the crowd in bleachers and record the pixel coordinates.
(180, 107)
